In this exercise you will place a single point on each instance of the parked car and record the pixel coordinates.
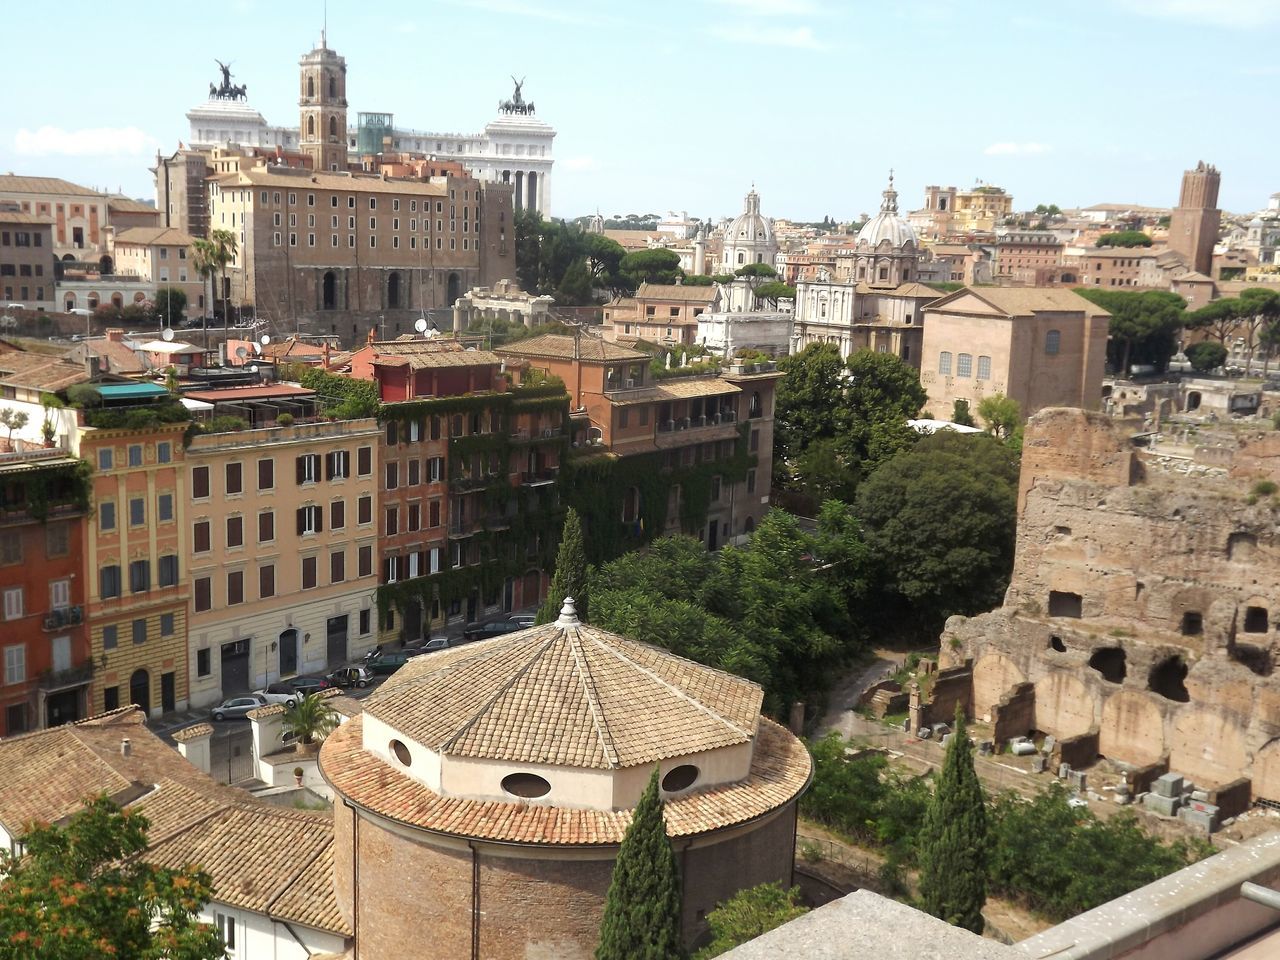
(385, 663)
(487, 631)
(278, 692)
(308, 685)
(351, 677)
(427, 645)
(238, 706)
(525, 620)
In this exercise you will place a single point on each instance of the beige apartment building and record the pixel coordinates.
(26, 260)
(665, 313)
(1044, 347)
(79, 215)
(282, 527)
(162, 256)
(351, 250)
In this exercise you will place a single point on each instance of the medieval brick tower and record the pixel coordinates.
(1193, 228)
(323, 104)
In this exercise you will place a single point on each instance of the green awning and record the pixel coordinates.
(118, 391)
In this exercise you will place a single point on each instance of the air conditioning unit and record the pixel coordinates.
(630, 382)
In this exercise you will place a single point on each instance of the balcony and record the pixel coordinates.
(61, 617)
(537, 436)
(467, 482)
(696, 423)
(540, 478)
(50, 680)
(677, 433)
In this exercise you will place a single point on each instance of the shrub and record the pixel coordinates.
(285, 420)
(1265, 488)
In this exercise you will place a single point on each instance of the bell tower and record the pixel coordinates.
(322, 102)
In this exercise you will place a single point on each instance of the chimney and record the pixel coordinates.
(115, 335)
(125, 747)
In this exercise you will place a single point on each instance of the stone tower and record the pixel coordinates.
(322, 102)
(1193, 228)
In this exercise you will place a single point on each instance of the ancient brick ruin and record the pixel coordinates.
(1144, 602)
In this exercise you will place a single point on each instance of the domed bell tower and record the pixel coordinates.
(322, 102)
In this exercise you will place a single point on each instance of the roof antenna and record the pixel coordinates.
(324, 29)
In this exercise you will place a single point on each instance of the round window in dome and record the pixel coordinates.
(401, 752)
(680, 778)
(530, 786)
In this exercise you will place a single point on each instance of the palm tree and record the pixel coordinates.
(202, 259)
(310, 720)
(223, 243)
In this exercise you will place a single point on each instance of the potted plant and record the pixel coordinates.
(310, 720)
(297, 776)
(285, 420)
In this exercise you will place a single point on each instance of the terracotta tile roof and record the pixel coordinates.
(122, 204)
(120, 356)
(261, 176)
(780, 771)
(1022, 301)
(154, 236)
(265, 391)
(674, 388)
(916, 290)
(256, 853)
(52, 185)
(568, 695)
(40, 371)
(193, 731)
(560, 346)
(677, 291)
(421, 354)
(14, 216)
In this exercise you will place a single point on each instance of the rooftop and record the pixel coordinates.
(154, 236)
(559, 346)
(675, 388)
(10, 183)
(677, 291)
(421, 354)
(14, 216)
(266, 391)
(357, 183)
(38, 371)
(1017, 301)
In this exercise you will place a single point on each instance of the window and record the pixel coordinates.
(337, 566)
(266, 474)
(266, 527)
(110, 637)
(203, 594)
(414, 520)
(393, 475)
(200, 538)
(267, 580)
(364, 461)
(226, 925)
(754, 443)
(964, 365)
(200, 482)
(135, 455)
(364, 510)
(164, 452)
(944, 363)
(364, 561)
(139, 628)
(308, 468)
(105, 458)
(308, 573)
(338, 464)
(234, 478)
(310, 520)
(392, 433)
(164, 507)
(10, 548)
(415, 473)
(623, 418)
(751, 481)
(1052, 342)
(337, 514)
(393, 521)
(137, 512)
(433, 513)
(15, 663)
(139, 576)
(14, 608)
(57, 540)
(109, 582)
(204, 663)
(235, 587)
(106, 517)
(167, 570)
(235, 531)
(435, 469)
(984, 368)
(364, 621)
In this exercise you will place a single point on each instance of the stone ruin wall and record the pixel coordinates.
(1126, 575)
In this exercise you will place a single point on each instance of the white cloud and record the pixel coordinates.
(801, 38)
(772, 8)
(581, 164)
(89, 142)
(1223, 13)
(1008, 148)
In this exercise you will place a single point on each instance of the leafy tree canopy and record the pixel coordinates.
(1144, 325)
(651, 266)
(1002, 415)
(1206, 355)
(756, 270)
(1124, 238)
(960, 414)
(169, 304)
(748, 914)
(775, 290)
(570, 577)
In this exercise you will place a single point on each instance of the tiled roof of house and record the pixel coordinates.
(677, 291)
(14, 216)
(9, 183)
(420, 354)
(1023, 301)
(121, 357)
(123, 204)
(154, 236)
(559, 346)
(258, 855)
(40, 371)
(780, 770)
(569, 694)
(674, 388)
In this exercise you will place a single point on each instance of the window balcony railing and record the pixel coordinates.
(71, 677)
(61, 617)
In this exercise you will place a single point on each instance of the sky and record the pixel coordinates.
(684, 104)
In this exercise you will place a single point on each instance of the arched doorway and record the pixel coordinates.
(105, 266)
(393, 290)
(140, 690)
(329, 297)
(749, 526)
(117, 301)
(71, 302)
(454, 291)
(288, 652)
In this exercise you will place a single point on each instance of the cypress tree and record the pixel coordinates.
(953, 875)
(642, 912)
(570, 578)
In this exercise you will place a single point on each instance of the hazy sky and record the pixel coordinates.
(681, 104)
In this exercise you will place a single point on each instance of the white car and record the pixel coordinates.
(279, 693)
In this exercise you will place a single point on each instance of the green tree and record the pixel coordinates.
(1124, 238)
(1260, 316)
(1218, 317)
(1002, 415)
(13, 420)
(1144, 325)
(170, 303)
(1206, 355)
(310, 719)
(960, 414)
(940, 520)
(748, 914)
(575, 287)
(697, 280)
(650, 266)
(642, 910)
(953, 839)
(570, 578)
(770, 293)
(213, 255)
(756, 271)
(604, 258)
(81, 890)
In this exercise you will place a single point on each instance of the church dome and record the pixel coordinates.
(887, 224)
(749, 226)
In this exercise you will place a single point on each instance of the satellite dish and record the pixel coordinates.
(264, 339)
(241, 353)
(420, 325)
(167, 334)
(256, 348)
(253, 368)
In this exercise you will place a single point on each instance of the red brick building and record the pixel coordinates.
(44, 497)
